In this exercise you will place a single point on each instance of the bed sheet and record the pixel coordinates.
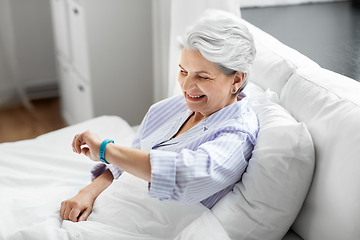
(36, 175)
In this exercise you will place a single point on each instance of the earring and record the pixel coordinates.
(234, 90)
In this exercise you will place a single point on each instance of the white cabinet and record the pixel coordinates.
(66, 89)
(76, 96)
(59, 13)
(78, 39)
(104, 52)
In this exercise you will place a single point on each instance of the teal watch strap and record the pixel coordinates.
(102, 150)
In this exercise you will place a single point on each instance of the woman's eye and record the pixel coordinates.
(183, 72)
(204, 77)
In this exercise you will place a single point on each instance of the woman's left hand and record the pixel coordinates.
(87, 143)
(131, 160)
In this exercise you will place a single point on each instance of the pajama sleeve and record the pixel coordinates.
(192, 176)
(99, 168)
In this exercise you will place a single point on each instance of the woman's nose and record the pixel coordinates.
(189, 83)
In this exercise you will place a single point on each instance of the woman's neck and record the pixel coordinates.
(197, 117)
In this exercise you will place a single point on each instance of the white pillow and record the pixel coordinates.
(267, 200)
(329, 104)
(252, 90)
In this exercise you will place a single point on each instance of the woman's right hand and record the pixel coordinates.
(78, 208)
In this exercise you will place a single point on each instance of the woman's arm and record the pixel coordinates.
(79, 207)
(133, 161)
(195, 175)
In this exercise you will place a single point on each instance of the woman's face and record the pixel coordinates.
(205, 88)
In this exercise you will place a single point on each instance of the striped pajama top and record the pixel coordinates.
(200, 165)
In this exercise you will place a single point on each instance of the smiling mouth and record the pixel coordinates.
(195, 96)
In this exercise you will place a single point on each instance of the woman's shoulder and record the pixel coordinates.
(239, 118)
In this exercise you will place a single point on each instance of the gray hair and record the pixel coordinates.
(224, 40)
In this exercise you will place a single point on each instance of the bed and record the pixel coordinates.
(305, 161)
(36, 175)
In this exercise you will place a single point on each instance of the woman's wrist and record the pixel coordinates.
(102, 150)
(94, 189)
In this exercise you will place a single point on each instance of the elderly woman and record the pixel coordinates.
(192, 147)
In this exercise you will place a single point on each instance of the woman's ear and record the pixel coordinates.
(238, 80)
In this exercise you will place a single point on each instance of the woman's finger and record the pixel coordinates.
(85, 214)
(77, 142)
(62, 210)
(74, 214)
(73, 144)
(86, 152)
(67, 209)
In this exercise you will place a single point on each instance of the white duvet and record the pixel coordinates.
(36, 175)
